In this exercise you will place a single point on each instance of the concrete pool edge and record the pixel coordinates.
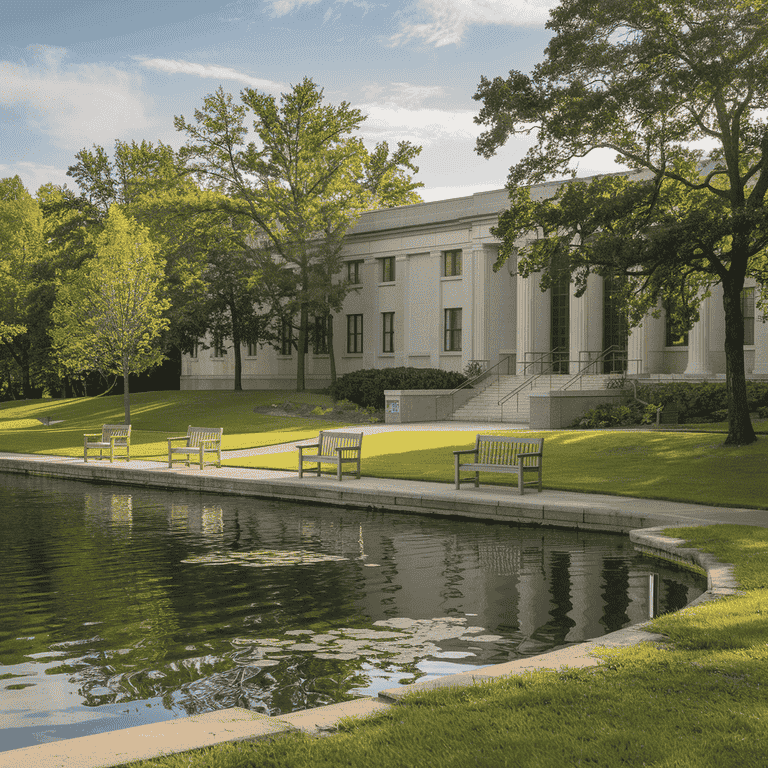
(231, 725)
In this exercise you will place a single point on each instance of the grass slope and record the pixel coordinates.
(155, 416)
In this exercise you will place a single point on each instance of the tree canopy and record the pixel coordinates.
(302, 183)
(108, 314)
(678, 90)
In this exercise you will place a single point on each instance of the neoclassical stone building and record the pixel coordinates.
(425, 294)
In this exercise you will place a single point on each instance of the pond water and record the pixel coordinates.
(122, 606)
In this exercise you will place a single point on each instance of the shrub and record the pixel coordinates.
(612, 416)
(366, 387)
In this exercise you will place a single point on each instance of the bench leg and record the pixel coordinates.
(477, 479)
(338, 470)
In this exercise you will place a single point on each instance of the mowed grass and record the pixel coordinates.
(653, 465)
(697, 699)
(155, 416)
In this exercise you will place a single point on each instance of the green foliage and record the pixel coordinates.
(693, 219)
(302, 184)
(701, 402)
(611, 415)
(23, 281)
(366, 387)
(109, 314)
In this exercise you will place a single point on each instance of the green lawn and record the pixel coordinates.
(155, 416)
(698, 699)
(653, 465)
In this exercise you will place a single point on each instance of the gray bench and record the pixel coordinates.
(112, 437)
(333, 448)
(493, 453)
(199, 441)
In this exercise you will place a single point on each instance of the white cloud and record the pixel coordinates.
(421, 126)
(284, 7)
(34, 175)
(444, 22)
(75, 105)
(208, 71)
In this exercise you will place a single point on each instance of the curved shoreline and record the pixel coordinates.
(588, 512)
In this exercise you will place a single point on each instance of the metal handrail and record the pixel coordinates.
(583, 372)
(475, 380)
(529, 382)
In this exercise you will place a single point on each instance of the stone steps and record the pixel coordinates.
(485, 405)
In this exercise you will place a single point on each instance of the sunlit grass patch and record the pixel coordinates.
(155, 416)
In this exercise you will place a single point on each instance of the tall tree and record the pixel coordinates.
(22, 269)
(303, 183)
(647, 80)
(109, 314)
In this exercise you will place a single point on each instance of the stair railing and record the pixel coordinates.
(601, 358)
(529, 382)
(446, 404)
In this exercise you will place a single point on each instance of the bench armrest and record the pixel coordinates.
(181, 437)
(527, 455)
(470, 450)
(114, 438)
(310, 445)
(93, 434)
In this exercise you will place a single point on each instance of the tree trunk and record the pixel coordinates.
(331, 355)
(126, 391)
(300, 357)
(740, 431)
(236, 339)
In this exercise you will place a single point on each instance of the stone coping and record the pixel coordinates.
(236, 724)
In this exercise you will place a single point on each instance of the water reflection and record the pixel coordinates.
(123, 606)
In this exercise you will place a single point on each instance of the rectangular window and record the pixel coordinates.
(285, 339)
(354, 272)
(252, 347)
(388, 331)
(453, 330)
(218, 346)
(452, 263)
(193, 351)
(354, 334)
(388, 269)
(748, 312)
(320, 336)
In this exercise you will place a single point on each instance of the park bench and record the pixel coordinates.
(199, 441)
(333, 448)
(502, 454)
(112, 437)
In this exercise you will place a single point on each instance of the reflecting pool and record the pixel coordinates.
(121, 607)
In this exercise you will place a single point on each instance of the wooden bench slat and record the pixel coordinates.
(199, 441)
(112, 437)
(495, 453)
(333, 448)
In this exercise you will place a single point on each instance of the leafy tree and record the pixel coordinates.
(303, 183)
(647, 80)
(109, 314)
(22, 269)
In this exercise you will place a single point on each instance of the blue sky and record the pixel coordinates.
(74, 73)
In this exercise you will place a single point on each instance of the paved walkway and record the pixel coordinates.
(561, 508)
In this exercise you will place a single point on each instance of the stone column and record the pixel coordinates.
(586, 324)
(698, 344)
(761, 344)
(532, 322)
(475, 347)
(637, 350)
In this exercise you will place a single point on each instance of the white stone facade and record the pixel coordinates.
(402, 257)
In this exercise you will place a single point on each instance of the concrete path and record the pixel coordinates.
(558, 508)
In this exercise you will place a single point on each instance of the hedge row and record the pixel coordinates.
(699, 402)
(366, 387)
